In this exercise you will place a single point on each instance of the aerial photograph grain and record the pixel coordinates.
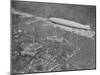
(52, 37)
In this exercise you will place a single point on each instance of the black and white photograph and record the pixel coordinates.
(52, 37)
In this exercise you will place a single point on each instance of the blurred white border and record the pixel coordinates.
(5, 36)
